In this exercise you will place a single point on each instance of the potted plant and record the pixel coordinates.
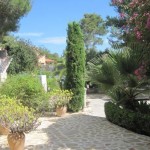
(60, 99)
(19, 120)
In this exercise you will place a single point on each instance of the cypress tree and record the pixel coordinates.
(75, 66)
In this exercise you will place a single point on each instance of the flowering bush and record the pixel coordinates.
(136, 14)
(60, 98)
(16, 117)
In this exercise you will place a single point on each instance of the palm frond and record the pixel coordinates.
(102, 72)
(117, 95)
(124, 61)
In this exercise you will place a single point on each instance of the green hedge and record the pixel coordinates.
(134, 121)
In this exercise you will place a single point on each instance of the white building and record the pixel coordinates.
(4, 64)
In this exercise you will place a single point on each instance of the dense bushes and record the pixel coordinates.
(26, 88)
(52, 83)
(23, 54)
(134, 121)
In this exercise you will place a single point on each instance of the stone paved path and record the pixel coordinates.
(82, 131)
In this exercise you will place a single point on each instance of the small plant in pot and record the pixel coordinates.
(60, 99)
(19, 120)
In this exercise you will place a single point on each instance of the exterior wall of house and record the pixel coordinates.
(3, 76)
(4, 64)
(41, 60)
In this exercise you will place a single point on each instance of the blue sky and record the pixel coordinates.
(46, 24)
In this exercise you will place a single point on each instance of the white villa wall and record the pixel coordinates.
(43, 82)
(3, 76)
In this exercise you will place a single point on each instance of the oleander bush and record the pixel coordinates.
(27, 89)
(135, 121)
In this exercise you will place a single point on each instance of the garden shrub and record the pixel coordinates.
(143, 107)
(27, 89)
(52, 83)
(18, 119)
(128, 119)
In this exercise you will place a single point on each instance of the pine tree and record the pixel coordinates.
(75, 64)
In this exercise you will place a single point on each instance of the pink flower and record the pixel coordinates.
(133, 3)
(141, 71)
(120, 1)
(148, 23)
(138, 35)
(135, 15)
(136, 72)
(122, 15)
(117, 1)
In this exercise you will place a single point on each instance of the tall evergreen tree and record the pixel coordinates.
(75, 66)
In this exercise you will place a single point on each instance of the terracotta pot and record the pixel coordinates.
(16, 141)
(4, 130)
(61, 111)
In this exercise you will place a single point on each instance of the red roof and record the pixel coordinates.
(49, 60)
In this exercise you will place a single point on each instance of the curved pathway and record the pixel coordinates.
(87, 130)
